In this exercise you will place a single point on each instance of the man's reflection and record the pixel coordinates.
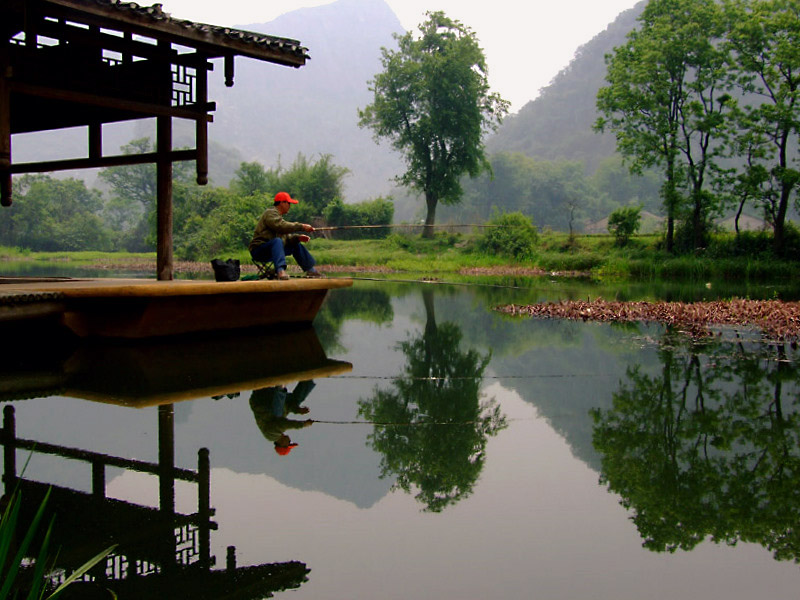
(272, 405)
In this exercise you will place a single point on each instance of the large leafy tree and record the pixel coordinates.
(666, 101)
(433, 102)
(765, 41)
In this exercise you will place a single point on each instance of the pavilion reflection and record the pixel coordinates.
(160, 552)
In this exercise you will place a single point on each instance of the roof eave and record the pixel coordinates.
(211, 39)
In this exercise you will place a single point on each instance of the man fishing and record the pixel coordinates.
(275, 237)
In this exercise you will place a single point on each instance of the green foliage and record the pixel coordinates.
(314, 184)
(509, 234)
(131, 210)
(432, 101)
(764, 39)
(668, 104)
(617, 186)
(54, 214)
(440, 452)
(375, 212)
(213, 221)
(706, 448)
(624, 222)
(553, 194)
(252, 179)
(12, 583)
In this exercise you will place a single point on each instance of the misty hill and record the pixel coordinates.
(272, 114)
(557, 125)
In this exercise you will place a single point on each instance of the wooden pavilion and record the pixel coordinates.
(84, 63)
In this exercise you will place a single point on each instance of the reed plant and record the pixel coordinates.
(20, 578)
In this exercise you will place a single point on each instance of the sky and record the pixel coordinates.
(526, 43)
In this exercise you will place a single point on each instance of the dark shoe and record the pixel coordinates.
(314, 274)
(282, 275)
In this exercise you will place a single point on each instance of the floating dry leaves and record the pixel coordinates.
(775, 318)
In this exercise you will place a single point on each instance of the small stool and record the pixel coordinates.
(266, 270)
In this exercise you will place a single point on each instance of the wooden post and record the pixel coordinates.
(95, 140)
(166, 459)
(164, 175)
(5, 130)
(201, 135)
(98, 479)
(164, 199)
(9, 449)
(204, 506)
(229, 70)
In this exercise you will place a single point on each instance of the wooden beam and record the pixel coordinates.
(70, 164)
(145, 108)
(125, 45)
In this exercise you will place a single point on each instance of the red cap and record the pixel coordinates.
(284, 197)
(284, 450)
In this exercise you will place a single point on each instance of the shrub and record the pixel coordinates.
(374, 212)
(624, 222)
(510, 234)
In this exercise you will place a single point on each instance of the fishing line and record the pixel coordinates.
(437, 282)
(414, 424)
(467, 377)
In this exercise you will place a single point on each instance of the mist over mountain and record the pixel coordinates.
(557, 125)
(272, 112)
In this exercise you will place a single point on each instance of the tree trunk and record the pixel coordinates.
(697, 221)
(778, 228)
(670, 203)
(430, 219)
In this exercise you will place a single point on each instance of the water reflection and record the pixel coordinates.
(160, 551)
(708, 448)
(460, 512)
(438, 426)
(271, 407)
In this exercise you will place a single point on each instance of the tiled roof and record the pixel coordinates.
(244, 42)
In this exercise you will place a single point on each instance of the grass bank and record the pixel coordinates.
(595, 256)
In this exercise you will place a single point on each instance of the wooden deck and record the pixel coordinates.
(143, 308)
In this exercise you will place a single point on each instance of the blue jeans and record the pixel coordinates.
(274, 251)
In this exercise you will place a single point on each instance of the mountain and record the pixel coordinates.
(272, 113)
(557, 125)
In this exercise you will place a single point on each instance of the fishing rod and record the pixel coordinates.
(393, 226)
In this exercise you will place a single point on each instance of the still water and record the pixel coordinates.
(450, 452)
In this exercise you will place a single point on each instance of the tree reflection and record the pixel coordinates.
(371, 305)
(708, 448)
(436, 426)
